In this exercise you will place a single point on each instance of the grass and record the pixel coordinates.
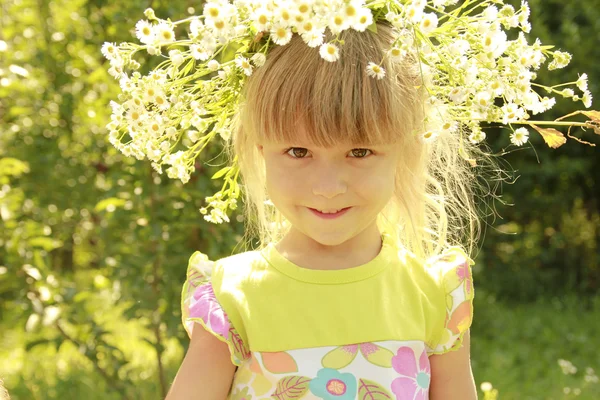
(541, 351)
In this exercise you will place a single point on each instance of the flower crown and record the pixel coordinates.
(471, 72)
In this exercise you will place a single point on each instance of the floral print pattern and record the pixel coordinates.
(391, 369)
(413, 383)
(200, 305)
(207, 308)
(457, 281)
(330, 384)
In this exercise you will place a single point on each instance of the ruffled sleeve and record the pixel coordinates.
(199, 304)
(456, 280)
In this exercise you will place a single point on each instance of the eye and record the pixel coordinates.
(301, 152)
(360, 153)
(297, 152)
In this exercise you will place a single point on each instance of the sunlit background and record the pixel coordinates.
(93, 246)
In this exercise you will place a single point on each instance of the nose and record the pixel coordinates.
(329, 182)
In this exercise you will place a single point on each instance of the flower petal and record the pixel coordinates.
(424, 363)
(404, 362)
(404, 388)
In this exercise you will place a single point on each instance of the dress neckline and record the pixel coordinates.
(332, 277)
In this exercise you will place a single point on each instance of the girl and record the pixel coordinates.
(360, 289)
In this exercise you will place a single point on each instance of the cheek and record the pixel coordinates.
(282, 182)
(376, 185)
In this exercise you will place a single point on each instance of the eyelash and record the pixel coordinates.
(300, 158)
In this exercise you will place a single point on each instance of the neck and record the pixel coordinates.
(306, 252)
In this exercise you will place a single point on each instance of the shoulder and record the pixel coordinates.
(453, 274)
(238, 269)
(450, 266)
(211, 297)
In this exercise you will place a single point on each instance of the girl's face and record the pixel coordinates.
(302, 177)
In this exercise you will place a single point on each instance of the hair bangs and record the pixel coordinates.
(298, 97)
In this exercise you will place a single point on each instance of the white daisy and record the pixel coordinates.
(176, 57)
(477, 136)
(161, 102)
(164, 33)
(196, 27)
(429, 136)
(306, 27)
(213, 65)
(483, 100)
(212, 10)
(283, 14)
(414, 13)
(351, 9)
(363, 20)
(582, 83)
(450, 127)
(134, 115)
(329, 52)
(458, 95)
(199, 53)
(314, 38)
(109, 50)
(218, 25)
(519, 137)
(396, 53)
(587, 99)
(144, 32)
(281, 34)
(568, 93)
(511, 112)
(375, 70)
(429, 23)
(259, 59)
(303, 7)
(262, 19)
(244, 64)
(338, 23)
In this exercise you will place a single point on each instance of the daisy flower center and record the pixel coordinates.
(336, 387)
(281, 33)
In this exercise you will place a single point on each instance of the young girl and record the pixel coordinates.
(360, 289)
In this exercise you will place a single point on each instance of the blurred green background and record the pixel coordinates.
(94, 246)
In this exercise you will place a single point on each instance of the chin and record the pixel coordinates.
(333, 239)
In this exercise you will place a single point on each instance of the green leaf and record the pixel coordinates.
(373, 27)
(12, 167)
(291, 387)
(46, 243)
(111, 201)
(220, 173)
(369, 390)
(338, 358)
(34, 343)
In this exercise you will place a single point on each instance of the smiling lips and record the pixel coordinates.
(329, 214)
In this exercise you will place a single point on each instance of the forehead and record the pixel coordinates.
(301, 138)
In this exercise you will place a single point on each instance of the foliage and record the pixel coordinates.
(83, 230)
(547, 243)
(93, 246)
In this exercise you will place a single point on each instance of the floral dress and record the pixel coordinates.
(359, 333)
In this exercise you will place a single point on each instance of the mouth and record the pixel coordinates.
(329, 213)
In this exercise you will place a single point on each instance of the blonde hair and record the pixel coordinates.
(433, 205)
